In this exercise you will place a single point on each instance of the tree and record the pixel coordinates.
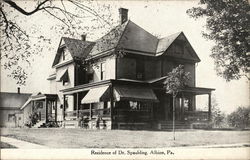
(19, 44)
(240, 118)
(227, 24)
(176, 80)
(218, 116)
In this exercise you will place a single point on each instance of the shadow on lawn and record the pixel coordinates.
(6, 146)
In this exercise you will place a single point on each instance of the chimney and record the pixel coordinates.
(18, 90)
(83, 37)
(123, 12)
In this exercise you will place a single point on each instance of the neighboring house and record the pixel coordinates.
(10, 113)
(119, 79)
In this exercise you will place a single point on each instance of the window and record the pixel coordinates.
(102, 71)
(90, 77)
(63, 53)
(66, 102)
(11, 117)
(65, 82)
(135, 105)
(139, 69)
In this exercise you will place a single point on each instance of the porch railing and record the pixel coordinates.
(196, 116)
(132, 115)
(87, 112)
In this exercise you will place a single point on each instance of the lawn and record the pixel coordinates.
(81, 138)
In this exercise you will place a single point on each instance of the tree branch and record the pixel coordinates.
(18, 8)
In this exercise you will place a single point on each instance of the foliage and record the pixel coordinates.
(240, 118)
(19, 43)
(218, 117)
(176, 80)
(227, 22)
(32, 120)
(51, 125)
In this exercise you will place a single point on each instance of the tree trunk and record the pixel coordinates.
(174, 116)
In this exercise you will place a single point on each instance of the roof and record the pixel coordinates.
(78, 49)
(127, 36)
(13, 100)
(165, 42)
(109, 41)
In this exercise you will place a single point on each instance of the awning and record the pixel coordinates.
(96, 95)
(134, 94)
(63, 77)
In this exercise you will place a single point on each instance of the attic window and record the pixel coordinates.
(64, 53)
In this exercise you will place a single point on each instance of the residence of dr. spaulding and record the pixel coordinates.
(116, 82)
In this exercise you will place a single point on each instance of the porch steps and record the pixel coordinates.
(39, 124)
(168, 125)
(71, 124)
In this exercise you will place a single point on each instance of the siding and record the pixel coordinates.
(126, 68)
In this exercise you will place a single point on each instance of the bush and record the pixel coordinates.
(33, 119)
(218, 118)
(240, 118)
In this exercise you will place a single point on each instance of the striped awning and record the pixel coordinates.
(96, 95)
(134, 94)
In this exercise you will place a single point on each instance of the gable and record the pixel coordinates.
(181, 48)
(74, 48)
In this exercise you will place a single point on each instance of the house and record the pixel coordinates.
(116, 81)
(10, 113)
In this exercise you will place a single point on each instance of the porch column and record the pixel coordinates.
(64, 107)
(77, 104)
(46, 110)
(33, 105)
(55, 110)
(209, 106)
(90, 111)
(111, 105)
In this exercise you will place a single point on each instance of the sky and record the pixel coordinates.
(158, 17)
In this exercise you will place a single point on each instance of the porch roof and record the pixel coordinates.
(197, 90)
(39, 96)
(43, 96)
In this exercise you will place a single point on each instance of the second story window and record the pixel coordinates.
(139, 69)
(102, 71)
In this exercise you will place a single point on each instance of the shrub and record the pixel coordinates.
(32, 120)
(240, 118)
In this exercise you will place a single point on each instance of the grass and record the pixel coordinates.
(81, 138)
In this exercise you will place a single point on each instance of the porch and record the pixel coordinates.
(121, 104)
(111, 106)
(43, 108)
(187, 114)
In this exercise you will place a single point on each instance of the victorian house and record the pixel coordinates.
(117, 81)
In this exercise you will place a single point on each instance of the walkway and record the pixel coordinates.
(21, 144)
